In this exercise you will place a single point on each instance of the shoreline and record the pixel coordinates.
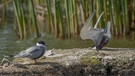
(76, 62)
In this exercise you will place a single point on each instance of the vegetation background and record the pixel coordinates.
(65, 18)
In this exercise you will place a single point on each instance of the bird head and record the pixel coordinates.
(40, 43)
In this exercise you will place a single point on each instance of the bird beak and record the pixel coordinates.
(46, 44)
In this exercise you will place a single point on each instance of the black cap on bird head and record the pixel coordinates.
(41, 42)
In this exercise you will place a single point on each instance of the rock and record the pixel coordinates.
(71, 60)
(49, 53)
(5, 63)
(76, 62)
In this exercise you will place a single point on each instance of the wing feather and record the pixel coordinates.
(35, 52)
(86, 26)
(32, 52)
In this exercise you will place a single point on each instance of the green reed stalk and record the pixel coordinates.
(105, 7)
(33, 15)
(133, 17)
(4, 11)
(68, 14)
(110, 5)
(90, 6)
(116, 26)
(49, 16)
(85, 8)
(63, 20)
(55, 19)
(125, 16)
(75, 18)
(67, 4)
(99, 7)
(16, 4)
(98, 11)
(71, 17)
(91, 9)
(59, 15)
(117, 16)
(39, 2)
(23, 20)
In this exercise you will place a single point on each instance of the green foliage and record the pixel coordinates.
(65, 18)
(74, 14)
(33, 17)
(20, 15)
(19, 11)
(88, 59)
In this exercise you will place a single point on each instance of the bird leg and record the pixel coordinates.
(35, 61)
(97, 47)
(94, 47)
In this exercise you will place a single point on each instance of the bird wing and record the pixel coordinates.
(32, 52)
(86, 26)
(95, 26)
(35, 52)
(92, 33)
(107, 30)
(22, 54)
(88, 32)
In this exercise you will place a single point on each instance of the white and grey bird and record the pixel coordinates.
(33, 52)
(99, 36)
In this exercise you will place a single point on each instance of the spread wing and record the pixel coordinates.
(107, 30)
(92, 33)
(86, 26)
(88, 32)
(95, 26)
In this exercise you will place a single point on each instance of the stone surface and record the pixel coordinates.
(75, 62)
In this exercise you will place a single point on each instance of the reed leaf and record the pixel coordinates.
(55, 19)
(110, 5)
(16, 4)
(64, 18)
(67, 4)
(4, 11)
(75, 18)
(49, 16)
(60, 20)
(33, 15)
(117, 17)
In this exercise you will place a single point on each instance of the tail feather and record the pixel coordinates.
(8, 56)
(19, 56)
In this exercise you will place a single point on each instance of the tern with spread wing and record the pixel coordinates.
(99, 36)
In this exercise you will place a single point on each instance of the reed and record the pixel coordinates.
(33, 17)
(60, 23)
(110, 5)
(4, 11)
(19, 15)
(65, 18)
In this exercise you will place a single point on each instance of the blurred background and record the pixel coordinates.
(58, 23)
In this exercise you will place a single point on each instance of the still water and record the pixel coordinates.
(10, 44)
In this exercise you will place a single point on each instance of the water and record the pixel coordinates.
(10, 44)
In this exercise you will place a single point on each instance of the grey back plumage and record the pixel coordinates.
(34, 52)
